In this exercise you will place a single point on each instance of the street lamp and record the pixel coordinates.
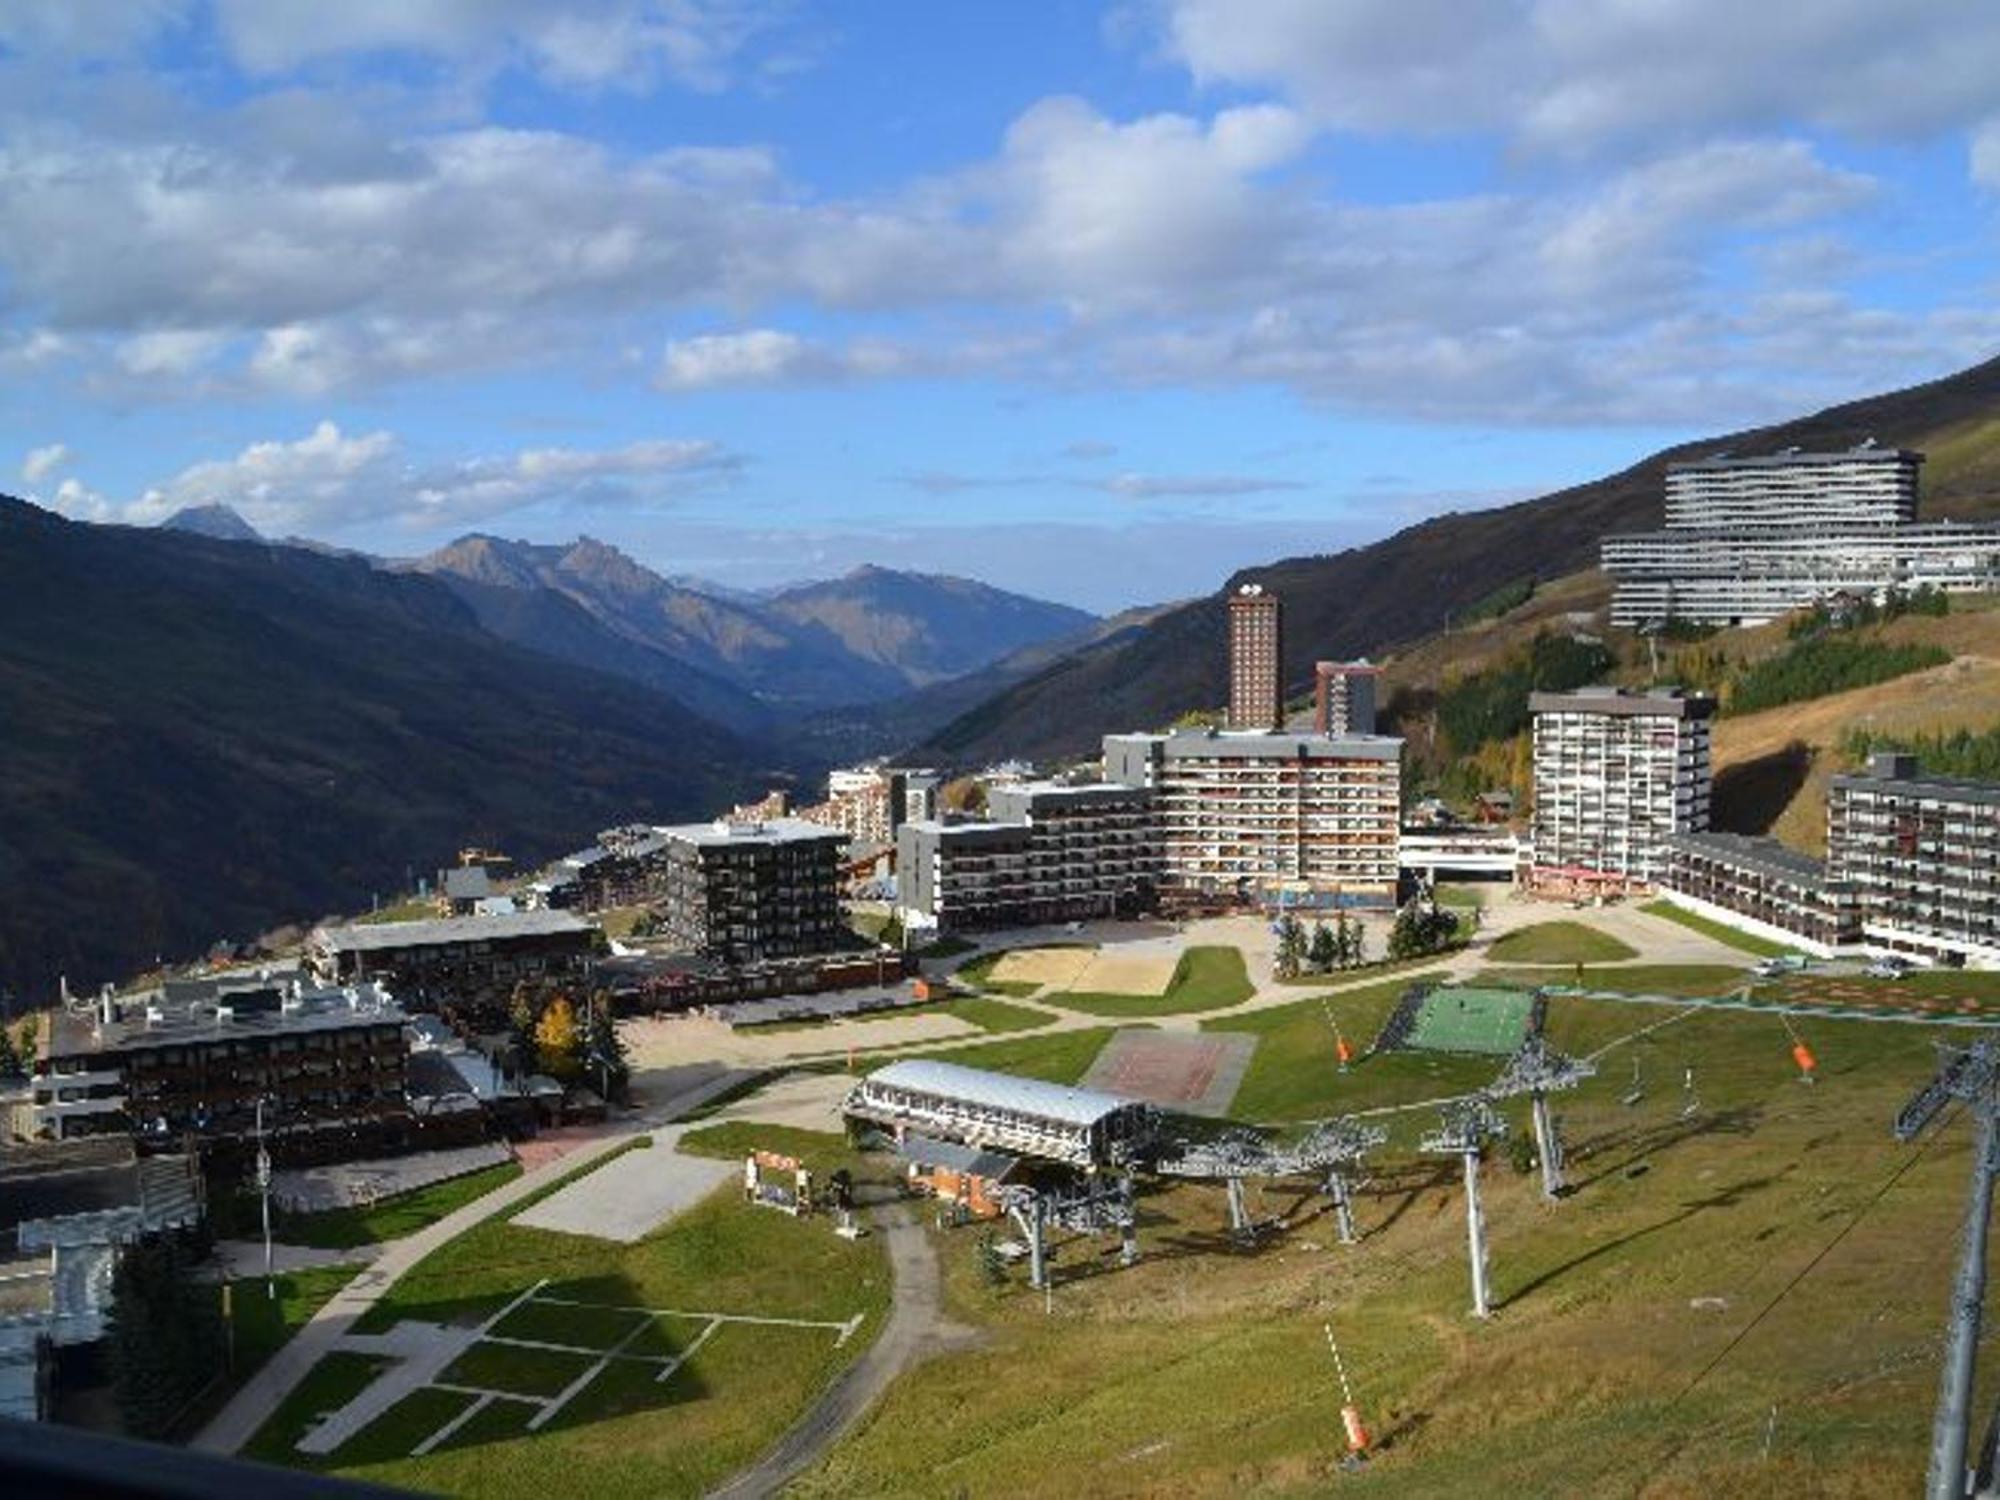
(264, 1190)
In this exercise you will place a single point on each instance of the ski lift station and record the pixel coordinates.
(995, 1111)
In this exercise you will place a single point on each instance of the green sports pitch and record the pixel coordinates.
(1464, 1019)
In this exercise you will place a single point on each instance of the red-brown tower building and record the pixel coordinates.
(1256, 656)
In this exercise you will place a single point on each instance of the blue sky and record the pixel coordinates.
(1099, 302)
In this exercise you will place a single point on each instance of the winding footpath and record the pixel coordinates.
(917, 1329)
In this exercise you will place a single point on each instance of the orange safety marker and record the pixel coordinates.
(1358, 1439)
(1801, 1053)
(1345, 1052)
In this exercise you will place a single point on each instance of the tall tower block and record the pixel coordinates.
(1256, 654)
(1344, 697)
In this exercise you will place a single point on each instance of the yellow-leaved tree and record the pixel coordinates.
(559, 1041)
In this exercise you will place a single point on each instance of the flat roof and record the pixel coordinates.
(1624, 703)
(1755, 852)
(928, 1151)
(1943, 788)
(60, 1179)
(83, 1033)
(724, 832)
(1868, 453)
(1261, 744)
(374, 937)
(1027, 1096)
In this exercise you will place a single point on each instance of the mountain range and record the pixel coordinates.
(1409, 586)
(210, 735)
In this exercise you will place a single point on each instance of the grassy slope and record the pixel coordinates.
(1062, 1057)
(1560, 943)
(1772, 768)
(1722, 932)
(1206, 978)
(626, 1435)
(392, 1218)
(1780, 1248)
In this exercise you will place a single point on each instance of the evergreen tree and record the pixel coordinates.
(605, 1049)
(559, 1041)
(1325, 950)
(10, 1060)
(167, 1338)
(1354, 939)
(1291, 947)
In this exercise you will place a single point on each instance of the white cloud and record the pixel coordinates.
(1581, 74)
(1986, 155)
(1194, 486)
(759, 356)
(329, 480)
(44, 461)
(170, 351)
(79, 502)
(584, 43)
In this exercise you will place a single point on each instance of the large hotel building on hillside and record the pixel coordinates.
(1617, 772)
(1748, 539)
(1253, 813)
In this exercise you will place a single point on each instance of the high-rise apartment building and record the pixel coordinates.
(1922, 856)
(1045, 853)
(1616, 773)
(1344, 697)
(1256, 659)
(1750, 539)
(746, 892)
(1250, 814)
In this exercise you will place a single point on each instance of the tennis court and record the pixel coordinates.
(1457, 1018)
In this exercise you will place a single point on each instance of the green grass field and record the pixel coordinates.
(1460, 1018)
(1061, 1057)
(391, 1218)
(1208, 978)
(1722, 932)
(1294, 1073)
(626, 1434)
(1560, 943)
(979, 971)
(259, 1325)
(1776, 1249)
(1632, 979)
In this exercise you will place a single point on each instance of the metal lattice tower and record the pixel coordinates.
(1096, 1206)
(1467, 1125)
(1538, 1070)
(1972, 1075)
(1333, 1147)
(1228, 1158)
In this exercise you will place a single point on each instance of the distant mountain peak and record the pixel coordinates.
(218, 522)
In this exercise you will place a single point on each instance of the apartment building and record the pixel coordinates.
(1865, 486)
(1763, 888)
(1922, 855)
(452, 955)
(1748, 539)
(746, 892)
(1247, 814)
(161, 1068)
(1344, 694)
(1616, 773)
(1046, 852)
(1256, 659)
(869, 803)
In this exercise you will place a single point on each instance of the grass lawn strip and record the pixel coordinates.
(392, 1218)
(578, 1327)
(1206, 978)
(405, 1426)
(1721, 932)
(1062, 1057)
(1560, 943)
(518, 1369)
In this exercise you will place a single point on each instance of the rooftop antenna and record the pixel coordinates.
(1467, 1125)
(1967, 1074)
(1538, 1070)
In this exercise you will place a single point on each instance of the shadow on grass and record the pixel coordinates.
(1727, 1197)
(1617, 1149)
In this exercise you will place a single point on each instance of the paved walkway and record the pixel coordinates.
(917, 1329)
(254, 1405)
(629, 1198)
(236, 1260)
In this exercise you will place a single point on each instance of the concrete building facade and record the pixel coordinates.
(1256, 659)
(1344, 694)
(1748, 539)
(1616, 772)
(1247, 814)
(1922, 855)
(745, 892)
(1046, 852)
(1763, 888)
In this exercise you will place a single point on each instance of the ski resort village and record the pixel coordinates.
(1401, 1075)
